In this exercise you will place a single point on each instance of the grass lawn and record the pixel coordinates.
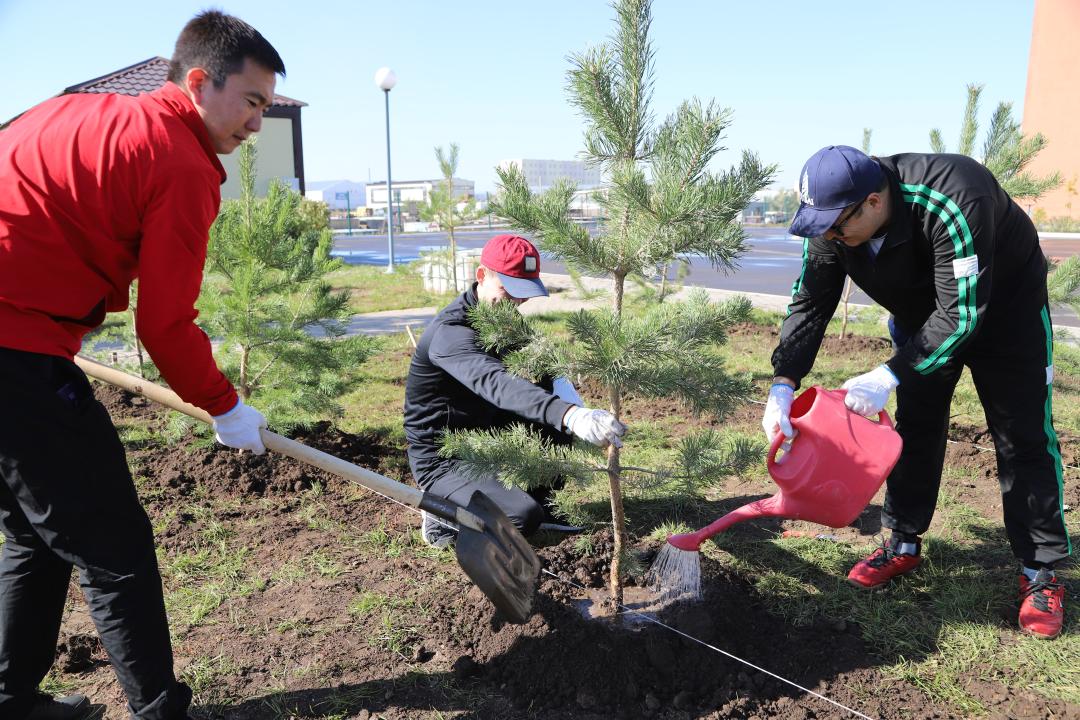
(372, 289)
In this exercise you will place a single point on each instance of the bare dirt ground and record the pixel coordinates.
(337, 610)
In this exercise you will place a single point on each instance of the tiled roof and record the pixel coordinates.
(144, 77)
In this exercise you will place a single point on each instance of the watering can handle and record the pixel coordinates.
(774, 448)
(882, 416)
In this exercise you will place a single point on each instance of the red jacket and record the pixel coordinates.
(96, 190)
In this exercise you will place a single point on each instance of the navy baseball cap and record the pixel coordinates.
(832, 179)
(517, 263)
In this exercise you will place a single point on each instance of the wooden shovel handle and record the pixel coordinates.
(277, 443)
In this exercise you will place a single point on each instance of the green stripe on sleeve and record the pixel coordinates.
(948, 212)
(797, 285)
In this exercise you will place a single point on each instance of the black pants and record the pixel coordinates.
(445, 478)
(1010, 363)
(67, 500)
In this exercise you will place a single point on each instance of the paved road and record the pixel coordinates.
(769, 267)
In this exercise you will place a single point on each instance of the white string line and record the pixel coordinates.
(722, 652)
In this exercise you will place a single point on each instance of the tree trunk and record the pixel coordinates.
(453, 257)
(244, 390)
(847, 296)
(618, 517)
(138, 345)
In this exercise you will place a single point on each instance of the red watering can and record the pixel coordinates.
(837, 461)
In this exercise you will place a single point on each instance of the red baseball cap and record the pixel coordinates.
(517, 263)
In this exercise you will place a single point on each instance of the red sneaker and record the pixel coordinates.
(1042, 604)
(883, 565)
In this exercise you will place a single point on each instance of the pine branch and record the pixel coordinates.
(937, 144)
(634, 74)
(547, 219)
(970, 124)
(525, 350)
(500, 328)
(1063, 284)
(1002, 134)
(589, 83)
(518, 455)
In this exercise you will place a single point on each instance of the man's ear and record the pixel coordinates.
(196, 82)
(480, 272)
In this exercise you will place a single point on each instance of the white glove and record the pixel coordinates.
(562, 387)
(868, 394)
(239, 428)
(777, 418)
(596, 426)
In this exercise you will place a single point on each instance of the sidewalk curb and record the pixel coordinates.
(561, 286)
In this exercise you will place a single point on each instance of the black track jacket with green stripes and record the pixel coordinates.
(958, 253)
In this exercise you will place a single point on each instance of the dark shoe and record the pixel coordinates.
(437, 533)
(1042, 604)
(555, 522)
(70, 707)
(883, 565)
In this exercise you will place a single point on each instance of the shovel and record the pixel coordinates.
(489, 548)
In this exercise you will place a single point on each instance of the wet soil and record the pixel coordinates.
(345, 614)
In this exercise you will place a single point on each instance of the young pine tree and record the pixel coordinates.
(444, 208)
(663, 205)
(1006, 151)
(281, 327)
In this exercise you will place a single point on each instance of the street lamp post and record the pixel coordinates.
(385, 80)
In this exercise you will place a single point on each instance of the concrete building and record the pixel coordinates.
(413, 192)
(280, 146)
(542, 174)
(337, 194)
(1052, 103)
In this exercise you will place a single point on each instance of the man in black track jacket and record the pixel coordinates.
(453, 384)
(937, 242)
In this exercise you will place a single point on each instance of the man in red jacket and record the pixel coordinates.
(96, 190)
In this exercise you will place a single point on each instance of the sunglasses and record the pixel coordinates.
(838, 228)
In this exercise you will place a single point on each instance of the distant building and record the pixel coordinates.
(585, 205)
(414, 192)
(281, 150)
(1052, 105)
(755, 211)
(542, 174)
(337, 194)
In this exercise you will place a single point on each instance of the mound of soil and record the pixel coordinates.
(436, 648)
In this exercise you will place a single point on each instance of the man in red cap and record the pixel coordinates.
(454, 384)
(96, 189)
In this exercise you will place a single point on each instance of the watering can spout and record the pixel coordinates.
(766, 507)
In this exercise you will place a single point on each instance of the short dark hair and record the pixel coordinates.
(219, 44)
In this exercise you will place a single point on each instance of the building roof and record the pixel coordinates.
(324, 184)
(144, 77)
(435, 181)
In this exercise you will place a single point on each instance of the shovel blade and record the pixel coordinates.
(499, 561)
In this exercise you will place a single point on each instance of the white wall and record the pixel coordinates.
(274, 159)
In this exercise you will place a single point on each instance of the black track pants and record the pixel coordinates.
(446, 479)
(1011, 366)
(67, 500)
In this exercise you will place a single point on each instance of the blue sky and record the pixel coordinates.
(490, 75)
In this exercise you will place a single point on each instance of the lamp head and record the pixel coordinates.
(385, 79)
